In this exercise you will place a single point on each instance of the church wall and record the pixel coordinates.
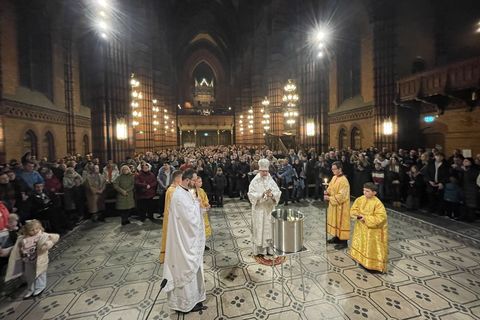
(24, 107)
(455, 129)
(366, 131)
(9, 49)
(15, 130)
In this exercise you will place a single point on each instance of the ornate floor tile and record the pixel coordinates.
(130, 294)
(458, 259)
(72, 282)
(288, 315)
(231, 277)
(335, 284)
(424, 297)
(451, 291)
(271, 298)
(50, 307)
(107, 276)
(436, 263)
(312, 291)
(469, 281)
(394, 305)
(360, 308)
(323, 311)
(426, 245)
(142, 271)
(362, 279)
(237, 302)
(105, 271)
(91, 300)
(414, 268)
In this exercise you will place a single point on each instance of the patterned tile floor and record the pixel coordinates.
(105, 271)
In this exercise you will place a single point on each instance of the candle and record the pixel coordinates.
(325, 181)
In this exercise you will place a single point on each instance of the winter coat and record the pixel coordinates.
(15, 263)
(94, 191)
(124, 182)
(142, 180)
(219, 183)
(469, 186)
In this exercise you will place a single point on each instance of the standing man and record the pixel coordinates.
(264, 195)
(183, 267)
(338, 212)
(176, 181)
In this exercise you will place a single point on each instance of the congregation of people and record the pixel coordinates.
(39, 196)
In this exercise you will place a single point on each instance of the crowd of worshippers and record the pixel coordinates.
(64, 192)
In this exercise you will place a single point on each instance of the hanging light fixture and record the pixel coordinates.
(240, 124)
(250, 120)
(155, 111)
(290, 99)
(266, 114)
(136, 95)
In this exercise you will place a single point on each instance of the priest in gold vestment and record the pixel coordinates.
(204, 206)
(338, 212)
(176, 180)
(369, 245)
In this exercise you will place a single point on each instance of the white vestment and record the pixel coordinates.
(261, 211)
(185, 245)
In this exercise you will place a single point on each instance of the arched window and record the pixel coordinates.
(30, 143)
(342, 139)
(356, 139)
(49, 146)
(86, 145)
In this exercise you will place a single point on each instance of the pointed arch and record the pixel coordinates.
(30, 143)
(49, 146)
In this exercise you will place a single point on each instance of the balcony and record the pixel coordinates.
(456, 83)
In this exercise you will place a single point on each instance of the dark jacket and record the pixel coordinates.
(219, 183)
(142, 180)
(468, 183)
(443, 172)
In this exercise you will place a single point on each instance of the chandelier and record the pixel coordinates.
(206, 112)
(290, 99)
(155, 111)
(136, 96)
(250, 120)
(240, 124)
(266, 115)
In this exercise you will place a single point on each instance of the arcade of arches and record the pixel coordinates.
(208, 63)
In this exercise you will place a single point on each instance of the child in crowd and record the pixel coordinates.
(370, 235)
(452, 197)
(29, 257)
(378, 178)
(219, 183)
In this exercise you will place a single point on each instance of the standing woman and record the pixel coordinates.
(145, 191)
(124, 185)
(94, 190)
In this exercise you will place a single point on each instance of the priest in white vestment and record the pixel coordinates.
(264, 195)
(183, 266)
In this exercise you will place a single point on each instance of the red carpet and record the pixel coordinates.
(267, 260)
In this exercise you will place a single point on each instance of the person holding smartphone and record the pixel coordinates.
(369, 245)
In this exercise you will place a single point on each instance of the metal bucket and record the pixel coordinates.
(287, 227)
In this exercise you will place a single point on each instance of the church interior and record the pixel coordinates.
(388, 89)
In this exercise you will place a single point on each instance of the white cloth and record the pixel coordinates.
(261, 211)
(184, 252)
